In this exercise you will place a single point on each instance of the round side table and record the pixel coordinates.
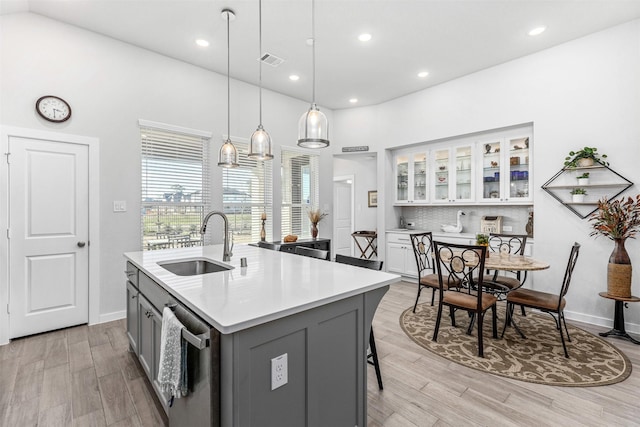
(618, 330)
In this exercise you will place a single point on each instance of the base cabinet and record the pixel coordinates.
(400, 257)
(327, 369)
(132, 317)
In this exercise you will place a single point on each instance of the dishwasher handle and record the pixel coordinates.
(198, 341)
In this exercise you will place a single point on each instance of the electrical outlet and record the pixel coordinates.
(279, 374)
(507, 228)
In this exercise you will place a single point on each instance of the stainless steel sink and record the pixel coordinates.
(194, 267)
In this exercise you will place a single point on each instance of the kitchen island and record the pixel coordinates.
(316, 312)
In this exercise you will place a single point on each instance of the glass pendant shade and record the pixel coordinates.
(313, 129)
(260, 147)
(228, 157)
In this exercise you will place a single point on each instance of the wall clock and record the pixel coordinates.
(53, 109)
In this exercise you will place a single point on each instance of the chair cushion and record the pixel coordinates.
(468, 301)
(432, 281)
(509, 282)
(535, 299)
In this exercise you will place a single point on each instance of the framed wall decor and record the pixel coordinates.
(373, 199)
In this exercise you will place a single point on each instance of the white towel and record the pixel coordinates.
(170, 371)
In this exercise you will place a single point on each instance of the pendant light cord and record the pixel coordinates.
(228, 81)
(260, 55)
(313, 50)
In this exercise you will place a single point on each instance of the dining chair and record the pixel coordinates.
(552, 304)
(511, 244)
(312, 252)
(372, 356)
(427, 278)
(463, 264)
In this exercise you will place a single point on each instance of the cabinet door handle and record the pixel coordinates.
(133, 296)
(81, 244)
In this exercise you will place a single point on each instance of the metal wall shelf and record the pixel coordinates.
(604, 182)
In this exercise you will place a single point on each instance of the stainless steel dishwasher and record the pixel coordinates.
(201, 406)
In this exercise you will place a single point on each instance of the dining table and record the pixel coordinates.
(504, 261)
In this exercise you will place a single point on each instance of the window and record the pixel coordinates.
(175, 186)
(300, 191)
(247, 192)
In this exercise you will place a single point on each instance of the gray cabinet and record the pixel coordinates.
(132, 317)
(146, 347)
(150, 321)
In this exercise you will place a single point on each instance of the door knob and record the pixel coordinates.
(81, 244)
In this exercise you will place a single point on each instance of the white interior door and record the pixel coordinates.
(49, 228)
(343, 216)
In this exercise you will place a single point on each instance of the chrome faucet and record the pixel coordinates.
(226, 256)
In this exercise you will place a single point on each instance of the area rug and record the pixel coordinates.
(538, 359)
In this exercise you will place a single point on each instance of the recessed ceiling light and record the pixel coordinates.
(537, 31)
(294, 77)
(202, 42)
(365, 37)
(353, 100)
(423, 74)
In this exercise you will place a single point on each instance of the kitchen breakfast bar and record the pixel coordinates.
(317, 313)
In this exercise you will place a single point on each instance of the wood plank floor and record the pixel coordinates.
(84, 376)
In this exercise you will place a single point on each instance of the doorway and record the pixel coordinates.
(343, 204)
(51, 243)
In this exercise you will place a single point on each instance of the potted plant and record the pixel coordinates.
(617, 220)
(583, 179)
(578, 195)
(483, 240)
(584, 158)
(315, 215)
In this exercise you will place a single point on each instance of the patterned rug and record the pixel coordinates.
(538, 359)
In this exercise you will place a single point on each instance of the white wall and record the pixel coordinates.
(110, 85)
(364, 167)
(584, 92)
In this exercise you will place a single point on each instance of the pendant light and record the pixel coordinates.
(228, 157)
(260, 147)
(313, 127)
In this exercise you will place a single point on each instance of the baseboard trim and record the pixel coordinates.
(600, 321)
(110, 317)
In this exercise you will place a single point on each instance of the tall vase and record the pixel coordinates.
(619, 271)
(314, 229)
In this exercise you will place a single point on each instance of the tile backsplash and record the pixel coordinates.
(432, 217)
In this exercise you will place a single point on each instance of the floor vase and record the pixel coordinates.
(619, 271)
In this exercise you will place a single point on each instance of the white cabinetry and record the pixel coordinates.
(453, 177)
(400, 257)
(505, 172)
(411, 178)
(494, 168)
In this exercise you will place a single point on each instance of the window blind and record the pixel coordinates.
(247, 193)
(300, 191)
(175, 187)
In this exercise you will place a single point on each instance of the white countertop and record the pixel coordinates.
(435, 233)
(273, 285)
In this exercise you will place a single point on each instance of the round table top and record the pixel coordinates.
(630, 299)
(505, 261)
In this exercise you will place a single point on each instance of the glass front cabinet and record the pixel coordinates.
(505, 170)
(492, 169)
(411, 178)
(452, 174)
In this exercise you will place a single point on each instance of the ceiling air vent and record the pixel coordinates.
(272, 60)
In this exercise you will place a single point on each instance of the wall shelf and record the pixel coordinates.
(604, 182)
